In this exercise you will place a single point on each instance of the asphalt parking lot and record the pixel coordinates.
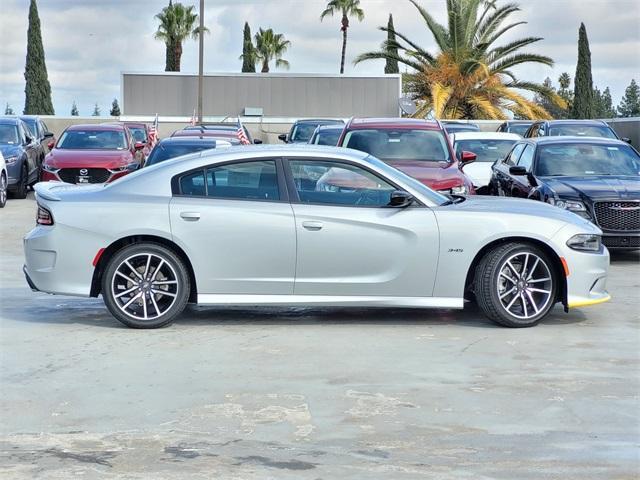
(318, 394)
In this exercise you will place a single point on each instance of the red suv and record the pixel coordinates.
(92, 154)
(419, 148)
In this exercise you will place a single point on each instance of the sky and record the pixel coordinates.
(88, 43)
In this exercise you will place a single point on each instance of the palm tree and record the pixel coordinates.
(271, 46)
(347, 8)
(470, 76)
(177, 23)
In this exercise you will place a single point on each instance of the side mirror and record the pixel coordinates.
(626, 139)
(257, 141)
(517, 170)
(400, 199)
(27, 139)
(467, 157)
(48, 135)
(138, 146)
(282, 137)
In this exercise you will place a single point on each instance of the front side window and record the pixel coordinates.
(249, 181)
(336, 183)
(526, 159)
(585, 159)
(486, 150)
(93, 140)
(578, 130)
(400, 144)
(514, 155)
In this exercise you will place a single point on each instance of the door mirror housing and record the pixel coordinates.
(400, 199)
(138, 146)
(467, 157)
(626, 139)
(282, 137)
(27, 140)
(517, 170)
(257, 141)
(48, 135)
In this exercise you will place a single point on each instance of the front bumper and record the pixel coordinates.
(587, 280)
(621, 240)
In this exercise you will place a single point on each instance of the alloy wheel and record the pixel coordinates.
(144, 286)
(3, 190)
(524, 285)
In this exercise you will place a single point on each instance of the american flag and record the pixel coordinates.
(193, 118)
(241, 135)
(153, 132)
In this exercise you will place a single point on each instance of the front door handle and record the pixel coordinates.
(190, 216)
(313, 226)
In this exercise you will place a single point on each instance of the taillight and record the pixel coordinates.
(44, 216)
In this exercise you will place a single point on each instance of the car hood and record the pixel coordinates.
(58, 158)
(479, 173)
(601, 187)
(437, 175)
(10, 150)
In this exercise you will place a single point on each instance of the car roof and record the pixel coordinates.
(10, 120)
(30, 117)
(518, 122)
(316, 120)
(334, 126)
(204, 132)
(394, 122)
(457, 122)
(189, 140)
(134, 124)
(576, 122)
(484, 136)
(574, 139)
(113, 127)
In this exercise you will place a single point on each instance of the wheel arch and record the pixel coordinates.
(557, 263)
(117, 245)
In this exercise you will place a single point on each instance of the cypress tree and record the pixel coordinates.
(37, 90)
(248, 51)
(74, 110)
(115, 108)
(583, 82)
(96, 111)
(391, 65)
(8, 110)
(630, 103)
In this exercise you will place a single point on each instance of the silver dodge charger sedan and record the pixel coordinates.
(289, 225)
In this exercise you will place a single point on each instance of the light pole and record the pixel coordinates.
(201, 62)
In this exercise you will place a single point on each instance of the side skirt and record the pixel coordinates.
(328, 300)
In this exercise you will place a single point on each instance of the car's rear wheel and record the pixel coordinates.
(20, 190)
(3, 189)
(145, 285)
(515, 285)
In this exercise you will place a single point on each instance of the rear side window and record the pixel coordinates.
(193, 184)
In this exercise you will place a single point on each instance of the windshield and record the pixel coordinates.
(139, 134)
(586, 159)
(486, 150)
(519, 128)
(578, 130)
(167, 152)
(93, 140)
(327, 137)
(460, 127)
(401, 144)
(9, 135)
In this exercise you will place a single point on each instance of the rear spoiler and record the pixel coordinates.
(54, 191)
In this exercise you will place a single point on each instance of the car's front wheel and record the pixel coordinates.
(21, 188)
(145, 285)
(515, 285)
(3, 189)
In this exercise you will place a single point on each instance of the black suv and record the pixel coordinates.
(572, 128)
(302, 130)
(20, 151)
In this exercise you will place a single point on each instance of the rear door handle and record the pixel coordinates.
(313, 226)
(190, 216)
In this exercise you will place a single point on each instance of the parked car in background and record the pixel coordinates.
(41, 134)
(418, 147)
(20, 151)
(574, 128)
(3, 181)
(488, 147)
(326, 135)
(454, 126)
(97, 153)
(226, 126)
(302, 130)
(595, 178)
(515, 126)
(229, 135)
(173, 147)
(140, 133)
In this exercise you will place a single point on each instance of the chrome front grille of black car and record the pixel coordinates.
(618, 216)
(84, 175)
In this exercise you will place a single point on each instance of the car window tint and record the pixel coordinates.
(336, 183)
(248, 180)
(578, 130)
(581, 160)
(193, 184)
(526, 159)
(514, 155)
(399, 144)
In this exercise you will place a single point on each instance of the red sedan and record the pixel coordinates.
(419, 148)
(92, 154)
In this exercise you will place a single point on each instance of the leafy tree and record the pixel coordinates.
(270, 46)
(346, 8)
(96, 111)
(177, 23)
(74, 109)
(115, 108)
(602, 104)
(37, 89)
(546, 103)
(8, 110)
(583, 83)
(565, 93)
(470, 76)
(391, 65)
(630, 103)
(248, 57)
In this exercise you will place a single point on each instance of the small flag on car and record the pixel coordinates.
(242, 136)
(153, 132)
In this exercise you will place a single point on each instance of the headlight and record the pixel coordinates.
(571, 205)
(48, 168)
(11, 159)
(585, 242)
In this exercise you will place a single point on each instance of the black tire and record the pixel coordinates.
(487, 285)
(21, 188)
(117, 306)
(3, 189)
